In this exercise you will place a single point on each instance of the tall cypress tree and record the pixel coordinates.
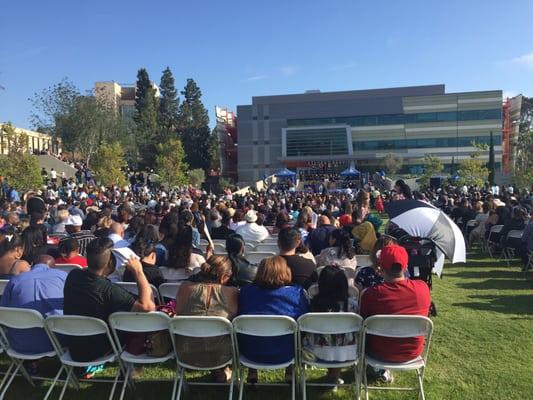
(168, 105)
(491, 165)
(145, 117)
(193, 126)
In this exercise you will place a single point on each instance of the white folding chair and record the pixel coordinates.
(169, 290)
(490, 240)
(508, 252)
(397, 326)
(133, 289)
(265, 247)
(249, 247)
(363, 260)
(265, 326)
(220, 248)
(202, 327)
(256, 257)
(77, 325)
(270, 240)
(20, 318)
(134, 322)
(3, 284)
(67, 267)
(331, 324)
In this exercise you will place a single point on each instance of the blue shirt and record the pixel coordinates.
(40, 289)
(290, 301)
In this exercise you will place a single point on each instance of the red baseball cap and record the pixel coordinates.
(393, 254)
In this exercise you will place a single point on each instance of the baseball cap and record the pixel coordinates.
(251, 216)
(393, 254)
(74, 220)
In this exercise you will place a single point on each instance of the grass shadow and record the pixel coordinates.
(498, 284)
(488, 274)
(518, 304)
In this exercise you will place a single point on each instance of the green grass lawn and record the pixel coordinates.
(482, 346)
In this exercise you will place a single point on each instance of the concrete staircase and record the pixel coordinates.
(49, 162)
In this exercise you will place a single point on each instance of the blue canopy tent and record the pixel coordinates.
(286, 173)
(350, 172)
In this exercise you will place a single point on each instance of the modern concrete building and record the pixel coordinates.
(120, 97)
(361, 127)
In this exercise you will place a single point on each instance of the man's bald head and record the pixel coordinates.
(46, 259)
(323, 220)
(117, 228)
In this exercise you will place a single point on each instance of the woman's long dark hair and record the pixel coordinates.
(145, 241)
(332, 291)
(181, 249)
(343, 242)
(235, 247)
(33, 238)
(404, 189)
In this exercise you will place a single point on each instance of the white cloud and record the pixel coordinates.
(525, 60)
(341, 67)
(256, 78)
(288, 70)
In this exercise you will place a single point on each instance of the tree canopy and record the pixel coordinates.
(170, 163)
(393, 163)
(432, 166)
(168, 105)
(109, 164)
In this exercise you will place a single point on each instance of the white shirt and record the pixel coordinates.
(53, 174)
(118, 241)
(252, 232)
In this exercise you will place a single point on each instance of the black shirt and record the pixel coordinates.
(91, 295)
(303, 270)
(152, 272)
(221, 233)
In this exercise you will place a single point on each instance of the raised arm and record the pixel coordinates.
(144, 303)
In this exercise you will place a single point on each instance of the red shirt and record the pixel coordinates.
(81, 261)
(345, 219)
(408, 297)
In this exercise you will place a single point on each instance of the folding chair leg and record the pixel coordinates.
(420, 375)
(54, 382)
(241, 385)
(119, 371)
(70, 371)
(180, 387)
(7, 374)
(176, 376)
(293, 382)
(357, 381)
(304, 384)
(365, 380)
(126, 379)
(16, 363)
(232, 381)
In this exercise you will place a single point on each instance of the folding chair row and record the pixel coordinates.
(202, 327)
(165, 291)
(508, 252)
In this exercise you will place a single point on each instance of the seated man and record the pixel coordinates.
(73, 228)
(89, 293)
(396, 295)
(39, 289)
(251, 231)
(318, 239)
(117, 235)
(303, 270)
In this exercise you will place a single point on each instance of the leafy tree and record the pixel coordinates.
(170, 163)
(196, 177)
(432, 166)
(168, 105)
(393, 163)
(109, 164)
(214, 151)
(20, 169)
(473, 171)
(523, 169)
(145, 117)
(82, 122)
(491, 165)
(193, 126)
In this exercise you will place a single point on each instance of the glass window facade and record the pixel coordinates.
(393, 119)
(424, 143)
(316, 142)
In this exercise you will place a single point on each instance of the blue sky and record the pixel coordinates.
(239, 49)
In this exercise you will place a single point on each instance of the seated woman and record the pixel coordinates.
(270, 294)
(517, 222)
(332, 297)
(144, 246)
(243, 272)
(35, 244)
(182, 261)
(69, 253)
(11, 250)
(208, 295)
(364, 232)
(340, 253)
